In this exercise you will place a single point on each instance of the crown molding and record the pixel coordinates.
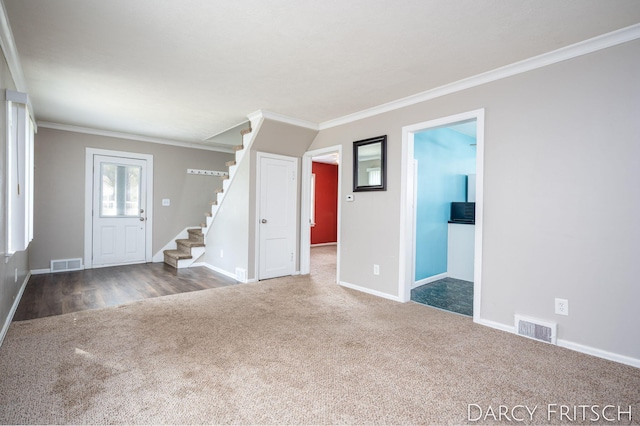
(110, 134)
(282, 119)
(10, 51)
(578, 49)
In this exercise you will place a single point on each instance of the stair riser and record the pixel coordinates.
(184, 248)
(170, 261)
(199, 238)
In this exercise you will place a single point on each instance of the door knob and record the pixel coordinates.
(264, 220)
(142, 219)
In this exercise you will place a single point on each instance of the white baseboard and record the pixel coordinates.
(430, 279)
(496, 325)
(218, 270)
(14, 307)
(622, 359)
(40, 271)
(369, 291)
(324, 244)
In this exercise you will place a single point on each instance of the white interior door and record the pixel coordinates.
(119, 210)
(277, 215)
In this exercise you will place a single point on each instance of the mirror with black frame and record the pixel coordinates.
(369, 164)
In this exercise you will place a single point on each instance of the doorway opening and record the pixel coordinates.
(445, 160)
(442, 213)
(118, 208)
(320, 211)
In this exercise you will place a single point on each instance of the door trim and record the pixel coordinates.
(305, 207)
(259, 157)
(88, 200)
(407, 211)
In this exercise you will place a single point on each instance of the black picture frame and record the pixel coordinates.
(370, 164)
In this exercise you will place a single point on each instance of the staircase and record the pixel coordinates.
(183, 252)
(191, 248)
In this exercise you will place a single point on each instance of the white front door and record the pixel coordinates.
(119, 210)
(277, 187)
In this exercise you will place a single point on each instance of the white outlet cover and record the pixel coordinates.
(562, 306)
(166, 202)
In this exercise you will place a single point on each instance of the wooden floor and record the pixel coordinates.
(61, 293)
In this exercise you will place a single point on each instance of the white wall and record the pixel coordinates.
(230, 228)
(234, 227)
(561, 176)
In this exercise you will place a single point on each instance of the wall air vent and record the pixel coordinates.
(65, 265)
(536, 329)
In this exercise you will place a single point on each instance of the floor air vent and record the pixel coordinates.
(536, 329)
(64, 265)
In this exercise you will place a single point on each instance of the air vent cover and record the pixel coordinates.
(64, 265)
(535, 329)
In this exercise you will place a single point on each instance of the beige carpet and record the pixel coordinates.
(296, 350)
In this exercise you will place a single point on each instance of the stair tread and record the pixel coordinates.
(230, 163)
(190, 243)
(175, 254)
(238, 147)
(196, 231)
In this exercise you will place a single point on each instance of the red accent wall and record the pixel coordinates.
(326, 207)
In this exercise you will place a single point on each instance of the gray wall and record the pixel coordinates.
(561, 176)
(9, 285)
(60, 185)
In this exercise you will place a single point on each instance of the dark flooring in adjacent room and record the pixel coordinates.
(65, 292)
(448, 293)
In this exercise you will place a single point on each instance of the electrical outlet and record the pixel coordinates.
(15, 280)
(562, 307)
(376, 269)
(221, 253)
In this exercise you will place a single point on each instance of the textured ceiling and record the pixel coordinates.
(185, 70)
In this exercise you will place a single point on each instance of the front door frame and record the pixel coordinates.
(88, 200)
(407, 215)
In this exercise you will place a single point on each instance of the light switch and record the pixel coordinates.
(166, 202)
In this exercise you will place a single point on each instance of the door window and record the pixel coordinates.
(119, 190)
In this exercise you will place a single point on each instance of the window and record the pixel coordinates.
(120, 190)
(19, 172)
